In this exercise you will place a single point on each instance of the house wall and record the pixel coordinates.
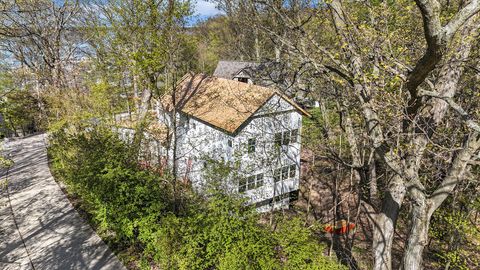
(199, 142)
(152, 149)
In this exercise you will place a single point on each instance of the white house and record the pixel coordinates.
(254, 130)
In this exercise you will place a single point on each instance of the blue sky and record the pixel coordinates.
(205, 9)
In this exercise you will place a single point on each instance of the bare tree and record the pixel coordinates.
(42, 36)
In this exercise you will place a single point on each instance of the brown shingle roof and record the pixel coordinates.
(156, 129)
(223, 103)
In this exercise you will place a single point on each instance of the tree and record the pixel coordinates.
(378, 76)
(17, 105)
(42, 36)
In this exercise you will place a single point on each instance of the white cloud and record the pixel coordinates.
(206, 9)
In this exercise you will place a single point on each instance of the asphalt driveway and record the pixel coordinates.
(39, 228)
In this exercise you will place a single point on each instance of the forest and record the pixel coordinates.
(392, 144)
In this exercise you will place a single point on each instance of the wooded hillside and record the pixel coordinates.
(392, 147)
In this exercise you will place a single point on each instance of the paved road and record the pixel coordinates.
(39, 229)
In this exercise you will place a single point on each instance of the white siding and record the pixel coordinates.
(202, 142)
(198, 142)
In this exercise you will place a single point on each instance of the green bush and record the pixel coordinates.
(135, 208)
(222, 234)
(98, 168)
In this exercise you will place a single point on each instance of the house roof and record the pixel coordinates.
(225, 104)
(156, 129)
(228, 69)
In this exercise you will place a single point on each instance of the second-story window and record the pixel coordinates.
(292, 171)
(278, 139)
(229, 143)
(294, 136)
(252, 142)
(251, 182)
(277, 175)
(259, 180)
(286, 137)
(284, 173)
(242, 185)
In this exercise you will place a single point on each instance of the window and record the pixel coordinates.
(251, 145)
(278, 139)
(277, 175)
(251, 182)
(242, 185)
(284, 173)
(229, 143)
(294, 136)
(286, 137)
(292, 171)
(244, 80)
(259, 180)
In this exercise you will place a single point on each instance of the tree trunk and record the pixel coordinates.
(418, 237)
(384, 224)
(373, 188)
(257, 46)
(14, 130)
(141, 120)
(424, 206)
(135, 92)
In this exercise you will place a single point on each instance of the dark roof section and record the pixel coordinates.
(229, 69)
(282, 76)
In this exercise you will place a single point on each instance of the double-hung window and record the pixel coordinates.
(242, 185)
(250, 182)
(278, 139)
(286, 137)
(277, 175)
(252, 143)
(292, 171)
(285, 173)
(294, 136)
(259, 180)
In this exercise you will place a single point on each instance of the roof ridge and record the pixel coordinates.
(221, 102)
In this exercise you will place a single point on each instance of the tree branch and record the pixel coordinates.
(456, 171)
(437, 38)
(457, 108)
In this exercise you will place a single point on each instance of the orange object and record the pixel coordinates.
(341, 227)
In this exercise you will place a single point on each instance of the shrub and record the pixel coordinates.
(135, 208)
(98, 168)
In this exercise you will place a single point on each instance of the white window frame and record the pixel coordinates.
(284, 173)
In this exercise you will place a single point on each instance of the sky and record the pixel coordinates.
(205, 9)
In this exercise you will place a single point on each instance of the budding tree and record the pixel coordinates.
(403, 101)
